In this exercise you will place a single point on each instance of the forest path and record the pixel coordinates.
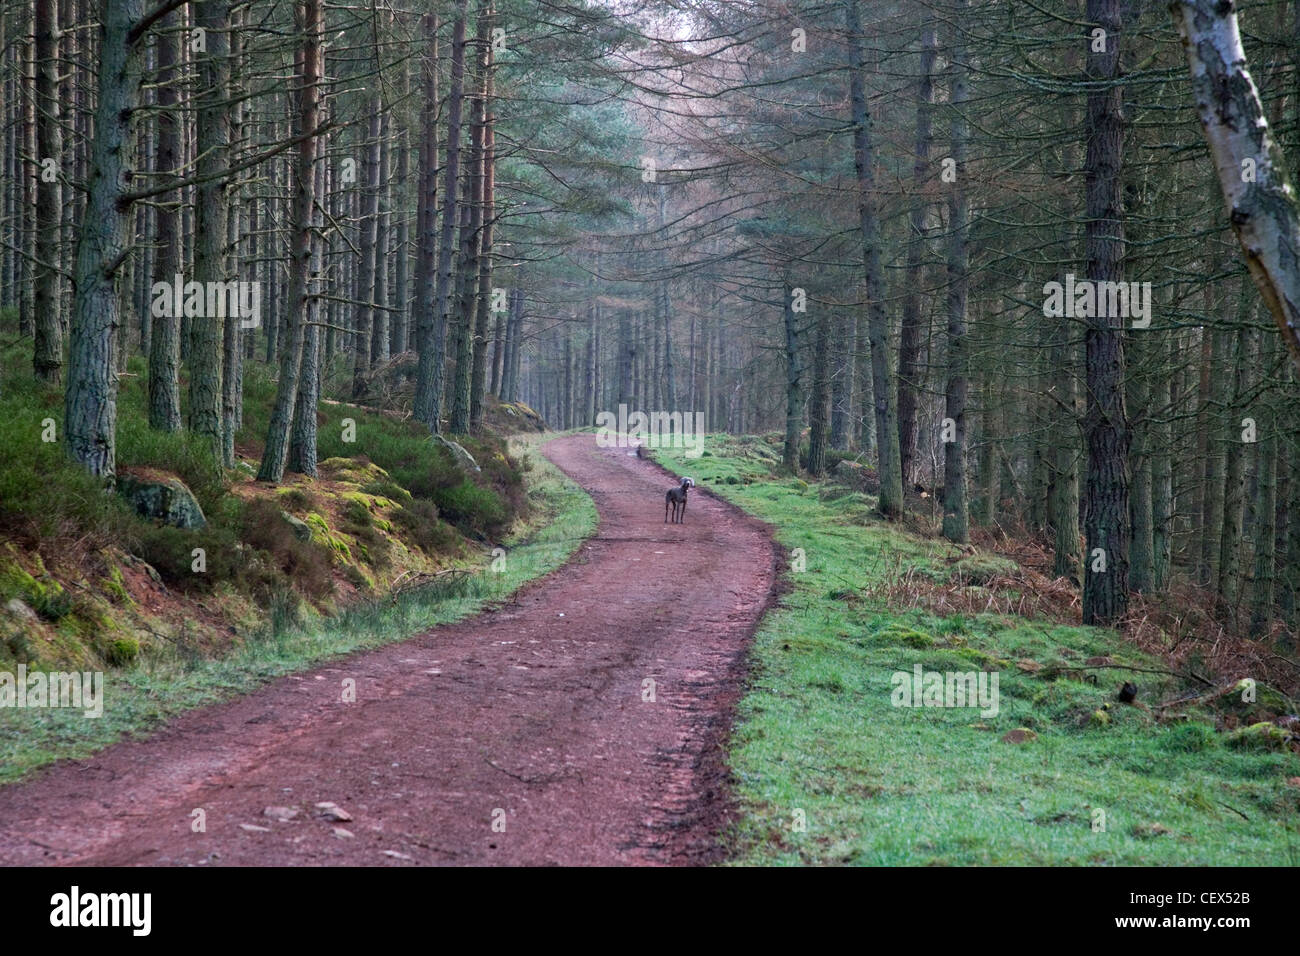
(535, 709)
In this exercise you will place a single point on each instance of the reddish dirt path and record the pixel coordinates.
(535, 709)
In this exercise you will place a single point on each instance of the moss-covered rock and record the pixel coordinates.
(162, 498)
(1261, 736)
(980, 569)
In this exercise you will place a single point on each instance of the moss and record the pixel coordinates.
(896, 633)
(976, 656)
(321, 534)
(122, 651)
(114, 586)
(43, 595)
(1261, 736)
(357, 513)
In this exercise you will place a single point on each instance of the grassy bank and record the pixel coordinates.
(1093, 782)
(140, 697)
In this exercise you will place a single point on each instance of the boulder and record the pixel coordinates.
(162, 497)
(20, 611)
(848, 470)
(301, 530)
(464, 460)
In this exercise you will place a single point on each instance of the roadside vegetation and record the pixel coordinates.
(1191, 772)
(394, 536)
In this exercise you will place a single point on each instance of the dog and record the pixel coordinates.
(676, 500)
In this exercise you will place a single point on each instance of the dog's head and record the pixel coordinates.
(688, 483)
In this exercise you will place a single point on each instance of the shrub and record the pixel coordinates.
(419, 519)
(306, 563)
(472, 509)
(122, 651)
(171, 553)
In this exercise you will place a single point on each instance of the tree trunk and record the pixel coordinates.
(302, 450)
(309, 58)
(432, 388)
(793, 389)
(207, 332)
(891, 476)
(90, 400)
(818, 411)
(165, 340)
(472, 239)
(909, 346)
(1234, 500)
(1105, 585)
(369, 227)
(426, 223)
(47, 359)
(1263, 209)
(956, 520)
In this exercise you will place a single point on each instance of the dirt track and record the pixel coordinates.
(534, 709)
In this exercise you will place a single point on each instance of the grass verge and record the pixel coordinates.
(818, 741)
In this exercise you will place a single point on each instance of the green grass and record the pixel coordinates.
(884, 785)
(141, 697)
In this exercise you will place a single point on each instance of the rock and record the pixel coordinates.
(847, 469)
(397, 856)
(163, 498)
(333, 812)
(1019, 736)
(21, 611)
(464, 460)
(251, 828)
(343, 834)
(280, 814)
(301, 530)
(146, 567)
(1260, 736)
(1028, 665)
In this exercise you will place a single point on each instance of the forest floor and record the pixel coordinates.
(583, 722)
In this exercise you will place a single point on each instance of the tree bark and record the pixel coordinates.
(432, 388)
(956, 518)
(882, 380)
(426, 223)
(207, 332)
(310, 25)
(909, 345)
(165, 337)
(1105, 585)
(1263, 208)
(47, 359)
